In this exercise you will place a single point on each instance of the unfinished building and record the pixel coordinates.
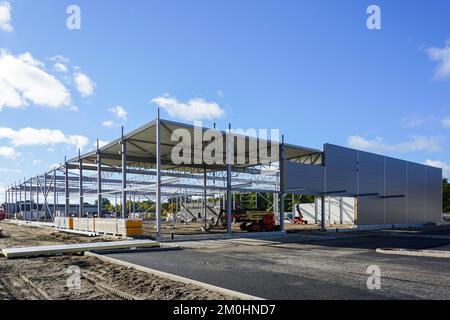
(348, 187)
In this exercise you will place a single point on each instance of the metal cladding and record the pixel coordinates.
(388, 191)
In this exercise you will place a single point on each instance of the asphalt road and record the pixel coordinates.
(291, 268)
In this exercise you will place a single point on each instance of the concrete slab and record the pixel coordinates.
(74, 248)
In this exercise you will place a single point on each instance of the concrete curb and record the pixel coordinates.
(415, 253)
(172, 277)
(203, 237)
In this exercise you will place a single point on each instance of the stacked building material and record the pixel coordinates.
(120, 227)
(125, 227)
(84, 224)
(63, 223)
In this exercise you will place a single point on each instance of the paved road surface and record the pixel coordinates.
(292, 268)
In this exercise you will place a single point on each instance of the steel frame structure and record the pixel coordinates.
(137, 165)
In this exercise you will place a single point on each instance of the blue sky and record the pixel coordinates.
(310, 68)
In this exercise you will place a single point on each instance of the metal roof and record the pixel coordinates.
(141, 147)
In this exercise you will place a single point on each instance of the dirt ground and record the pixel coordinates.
(56, 277)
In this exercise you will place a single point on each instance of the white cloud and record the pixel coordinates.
(60, 58)
(442, 55)
(417, 120)
(84, 84)
(8, 153)
(446, 122)
(2, 192)
(119, 112)
(108, 124)
(101, 143)
(46, 137)
(5, 16)
(192, 110)
(36, 161)
(23, 81)
(439, 164)
(8, 170)
(416, 143)
(55, 166)
(59, 67)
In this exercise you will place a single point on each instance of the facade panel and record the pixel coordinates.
(389, 191)
(434, 194)
(303, 178)
(341, 169)
(395, 191)
(417, 194)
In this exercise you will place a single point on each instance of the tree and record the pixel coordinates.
(445, 195)
(106, 205)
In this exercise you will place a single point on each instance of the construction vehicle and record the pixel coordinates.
(298, 219)
(256, 221)
(250, 221)
(2, 213)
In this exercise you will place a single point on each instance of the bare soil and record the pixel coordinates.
(49, 278)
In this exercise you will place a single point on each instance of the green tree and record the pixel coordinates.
(445, 195)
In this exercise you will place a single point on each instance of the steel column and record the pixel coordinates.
(123, 143)
(205, 211)
(66, 190)
(54, 194)
(229, 158)
(20, 197)
(7, 200)
(281, 165)
(37, 199)
(158, 175)
(31, 199)
(99, 182)
(45, 197)
(80, 186)
(24, 197)
(322, 221)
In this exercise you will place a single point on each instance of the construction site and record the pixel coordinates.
(175, 192)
